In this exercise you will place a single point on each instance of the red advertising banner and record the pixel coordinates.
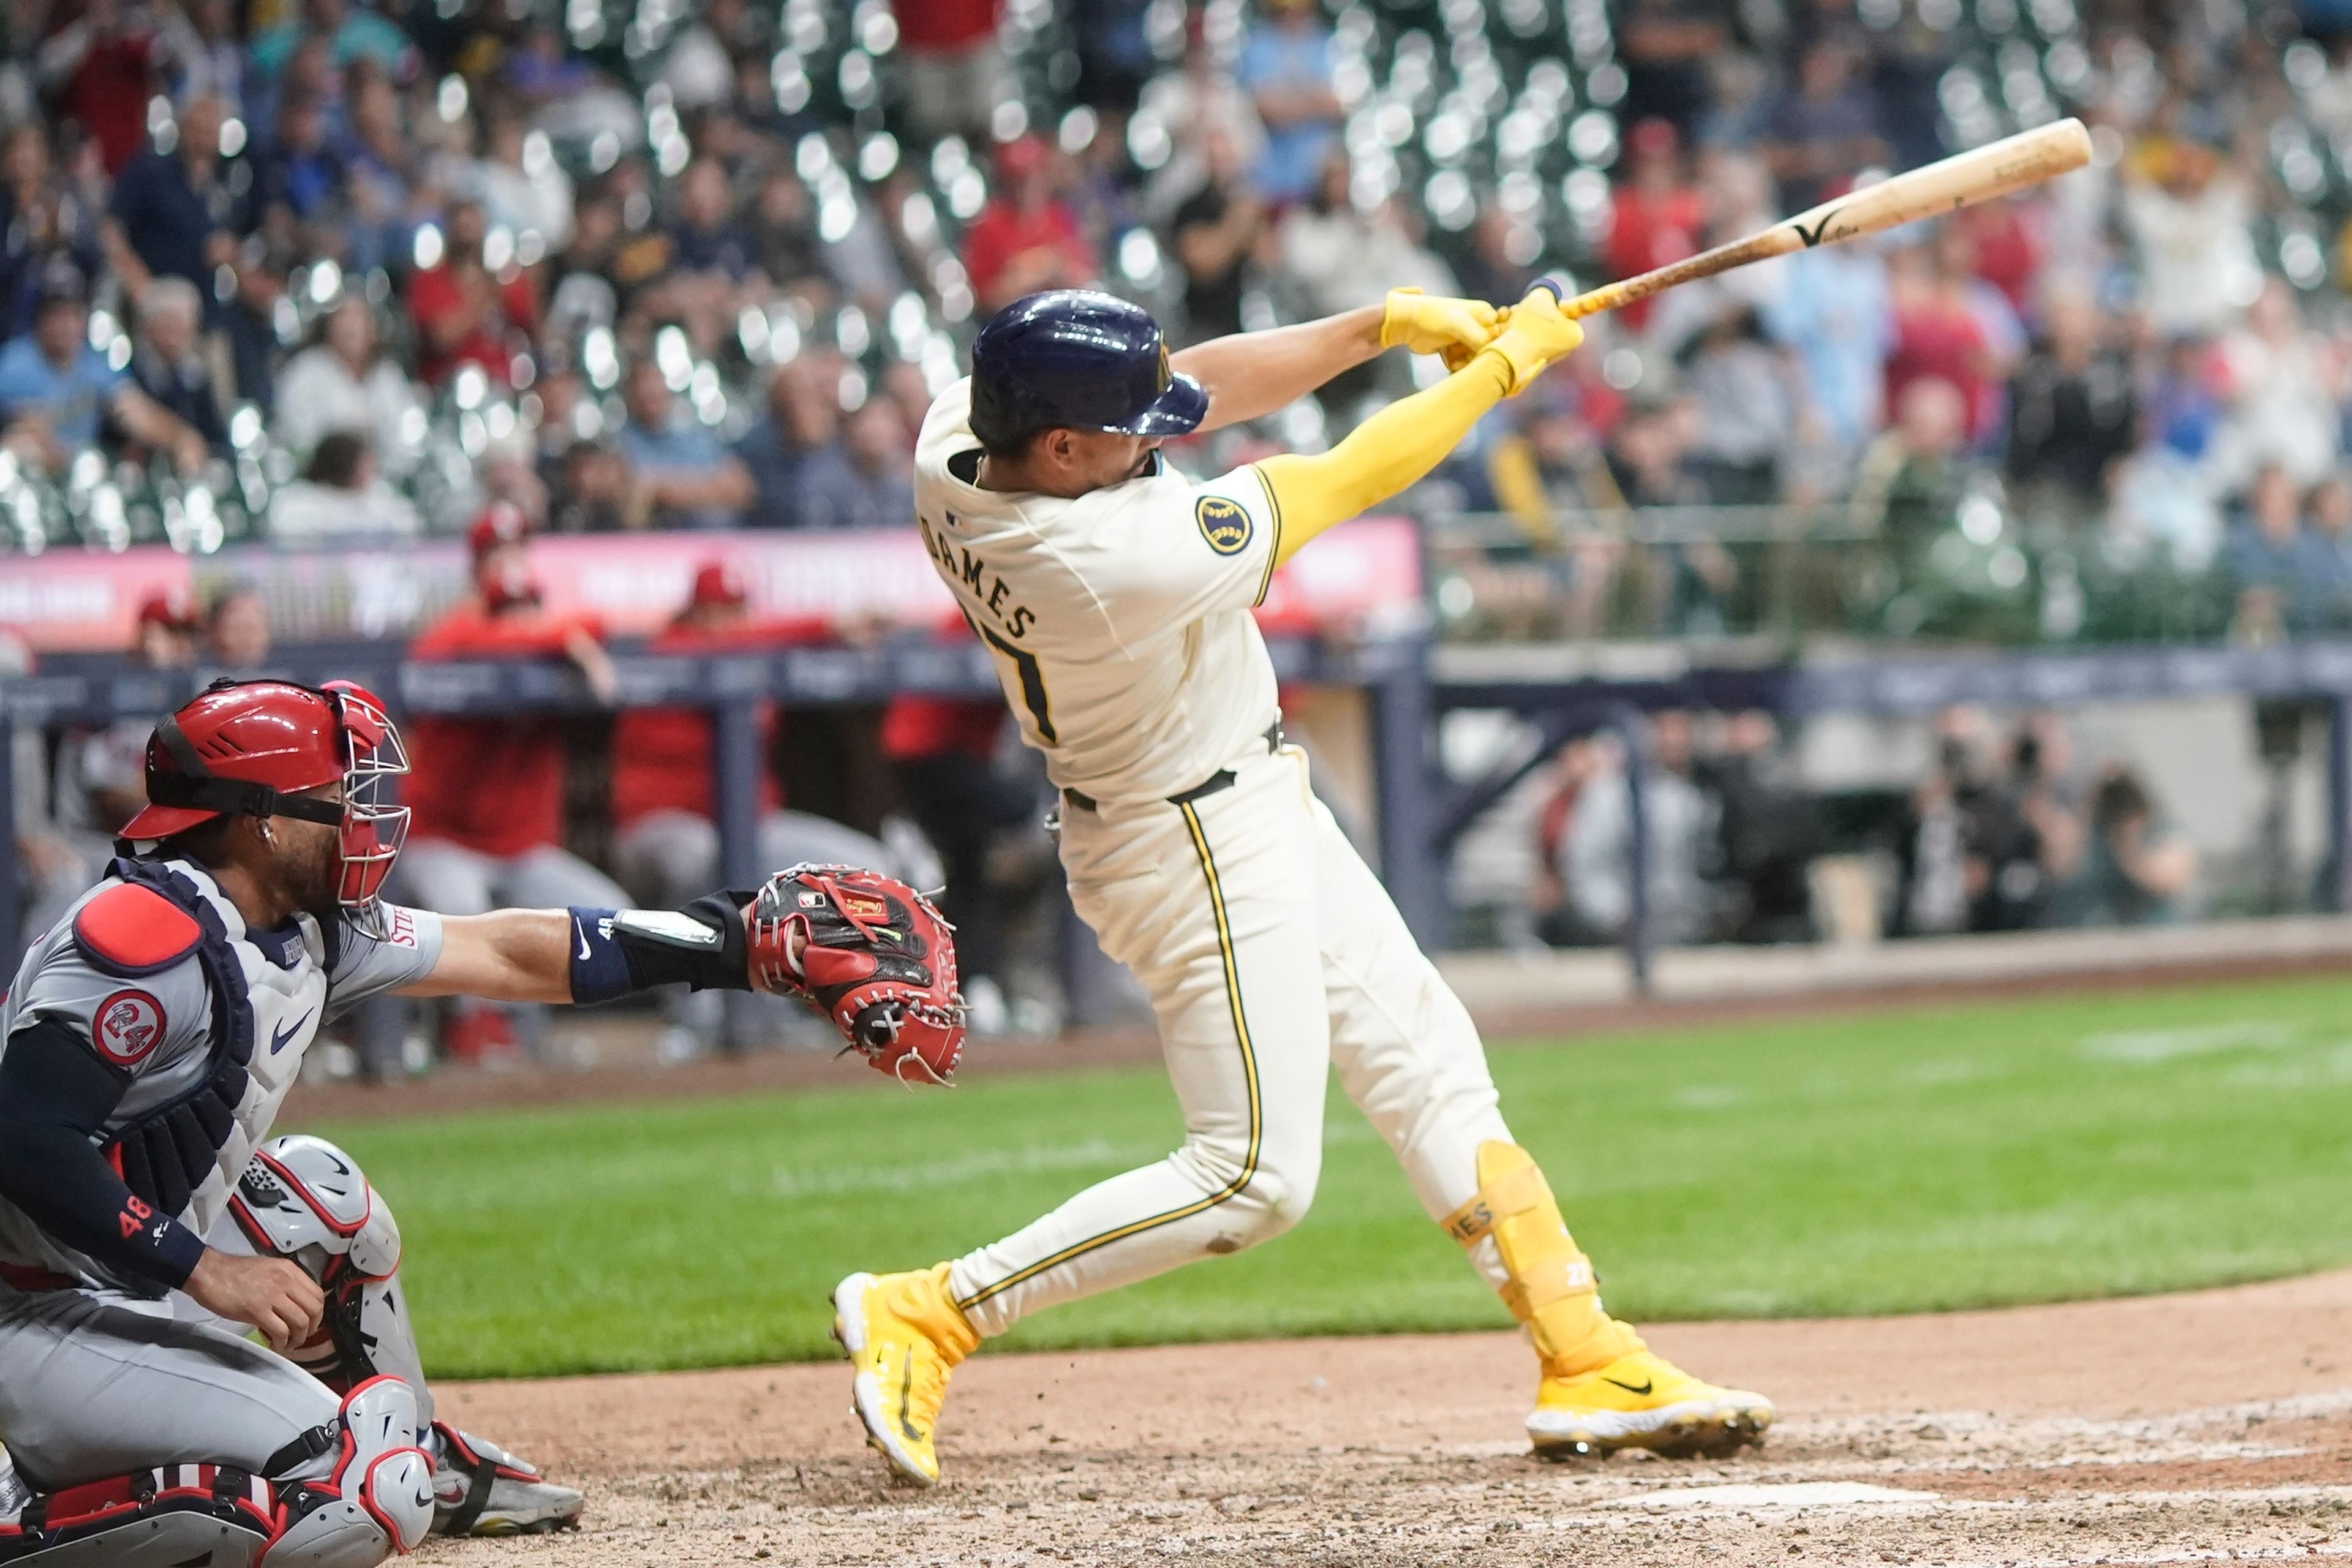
(1363, 579)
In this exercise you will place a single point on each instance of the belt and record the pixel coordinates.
(33, 1281)
(1222, 779)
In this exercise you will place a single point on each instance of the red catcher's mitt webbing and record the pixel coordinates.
(873, 955)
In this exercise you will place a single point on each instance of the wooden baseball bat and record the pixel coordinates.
(1962, 180)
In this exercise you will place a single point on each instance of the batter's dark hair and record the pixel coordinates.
(1013, 449)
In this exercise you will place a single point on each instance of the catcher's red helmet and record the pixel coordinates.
(252, 746)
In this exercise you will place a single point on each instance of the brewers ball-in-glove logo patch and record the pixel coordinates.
(1224, 524)
(127, 1027)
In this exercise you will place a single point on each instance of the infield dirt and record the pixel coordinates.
(2194, 1427)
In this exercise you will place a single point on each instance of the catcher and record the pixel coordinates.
(148, 1220)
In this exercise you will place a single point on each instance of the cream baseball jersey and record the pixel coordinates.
(1119, 621)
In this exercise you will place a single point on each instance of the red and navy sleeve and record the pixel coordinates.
(118, 998)
(56, 1095)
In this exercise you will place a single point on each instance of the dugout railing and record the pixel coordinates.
(89, 691)
(1408, 686)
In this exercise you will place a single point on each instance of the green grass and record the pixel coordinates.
(1889, 1161)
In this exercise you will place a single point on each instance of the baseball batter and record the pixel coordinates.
(148, 1218)
(1114, 596)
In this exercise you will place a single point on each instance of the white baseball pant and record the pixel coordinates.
(1271, 953)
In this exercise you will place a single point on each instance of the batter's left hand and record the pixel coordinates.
(1453, 329)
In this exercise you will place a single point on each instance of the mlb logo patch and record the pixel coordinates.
(1224, 524)
(127, 1027)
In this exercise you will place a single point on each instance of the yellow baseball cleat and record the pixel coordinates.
(1641, 1400)
(903, 1333)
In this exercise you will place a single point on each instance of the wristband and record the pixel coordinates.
(177, 1248)
(600, 970)
(617, 951)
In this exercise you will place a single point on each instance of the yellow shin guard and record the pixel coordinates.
(1551, 1288)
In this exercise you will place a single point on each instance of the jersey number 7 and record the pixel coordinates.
(1033, 683)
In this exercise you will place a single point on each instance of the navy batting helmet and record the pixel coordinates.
(1078, 358)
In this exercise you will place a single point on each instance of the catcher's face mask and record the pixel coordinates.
(373, 825)
(252, 748)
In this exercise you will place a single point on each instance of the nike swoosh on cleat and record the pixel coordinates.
(905, 1397)
(1647, 1384)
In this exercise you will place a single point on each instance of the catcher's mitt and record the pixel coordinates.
(872, 955)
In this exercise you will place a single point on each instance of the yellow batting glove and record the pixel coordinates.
(1534, 335)
(1456, 329)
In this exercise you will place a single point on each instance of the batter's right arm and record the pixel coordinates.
(1248, 375)
(1397, 446)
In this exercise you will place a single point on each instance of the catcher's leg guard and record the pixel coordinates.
(192, 1514)
(1551, 1288)
(374, 1500)
(377, 1498)
(307, 1201)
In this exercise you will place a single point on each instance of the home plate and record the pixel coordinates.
(1790, 1494)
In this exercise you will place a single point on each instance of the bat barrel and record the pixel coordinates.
(1963, 180)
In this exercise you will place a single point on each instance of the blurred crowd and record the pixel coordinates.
(320, 272)
(2005, 832)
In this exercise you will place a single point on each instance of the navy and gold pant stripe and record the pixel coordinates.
(1249, 1072)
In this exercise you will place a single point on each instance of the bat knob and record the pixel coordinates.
(1560, 287)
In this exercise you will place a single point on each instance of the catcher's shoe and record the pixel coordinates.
(903, 1333)
(1641, 1400)
(479, 1488)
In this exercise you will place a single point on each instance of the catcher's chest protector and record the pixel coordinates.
(184, 1155)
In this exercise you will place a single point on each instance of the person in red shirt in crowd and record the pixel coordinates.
(665, 832)
(466, 314)
(1026, 238)
(1657, 215)
(101, 67)
(2008, 239)
(1938, 334)
(487, 794)
(955, 71)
